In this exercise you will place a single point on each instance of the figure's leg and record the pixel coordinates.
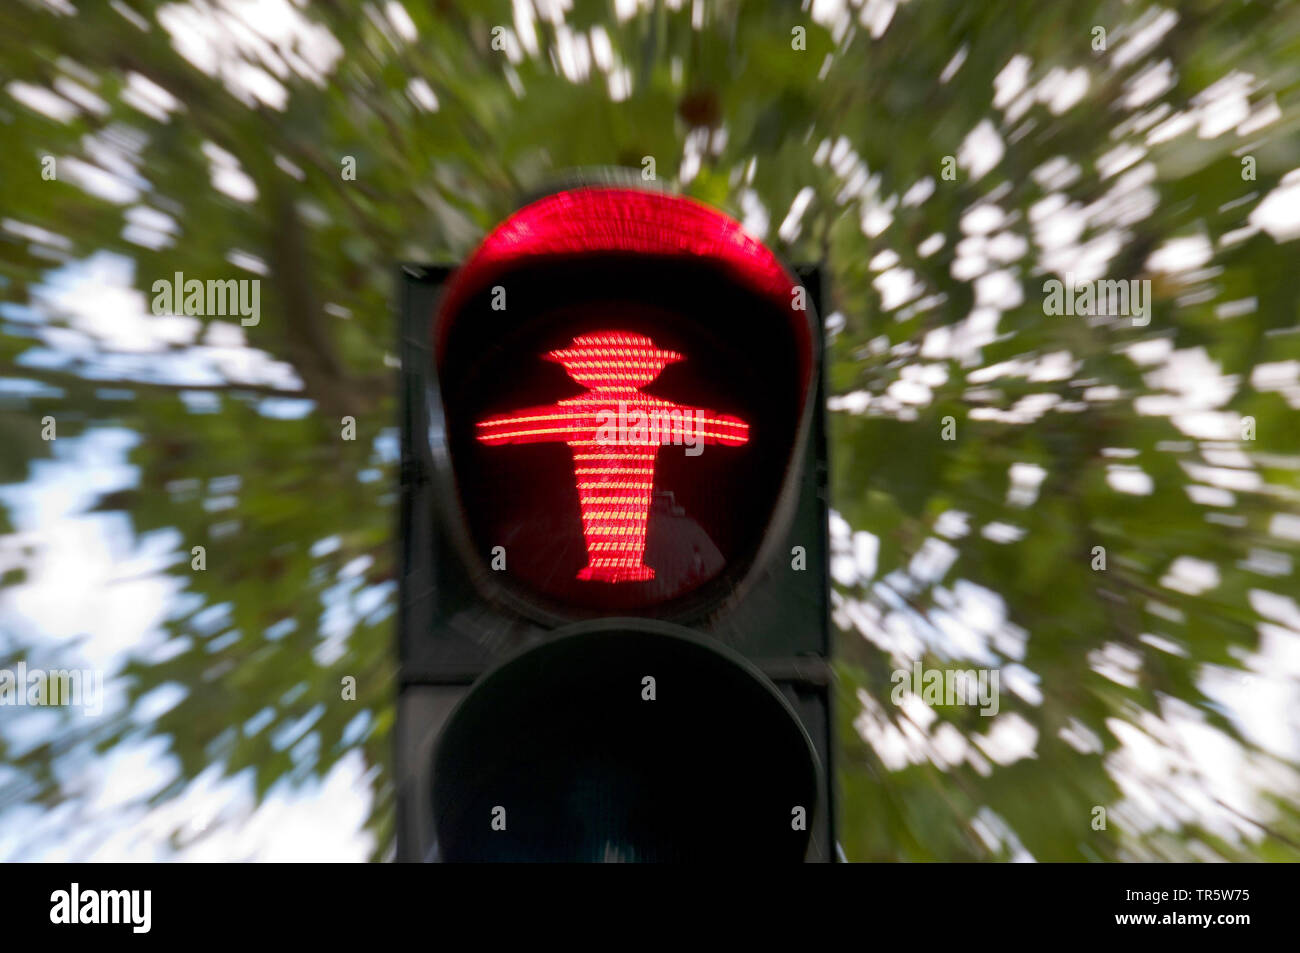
(615, 485)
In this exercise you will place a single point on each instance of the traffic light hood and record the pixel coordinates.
(619, 226)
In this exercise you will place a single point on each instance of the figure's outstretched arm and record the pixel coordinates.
(550, 424)
(711, 427)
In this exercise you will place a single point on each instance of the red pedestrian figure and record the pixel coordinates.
(614, 467)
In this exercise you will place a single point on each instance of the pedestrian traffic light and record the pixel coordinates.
(613, 630)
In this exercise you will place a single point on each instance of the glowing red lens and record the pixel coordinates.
(615, 432)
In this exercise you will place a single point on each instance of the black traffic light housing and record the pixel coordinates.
(564, 734)
(556, 722)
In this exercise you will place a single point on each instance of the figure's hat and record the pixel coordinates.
(613, 359)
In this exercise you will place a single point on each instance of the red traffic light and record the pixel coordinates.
(624, 378)
(618, 421)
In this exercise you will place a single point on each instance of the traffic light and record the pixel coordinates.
(613, 624)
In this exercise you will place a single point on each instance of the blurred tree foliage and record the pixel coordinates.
(236, 130)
